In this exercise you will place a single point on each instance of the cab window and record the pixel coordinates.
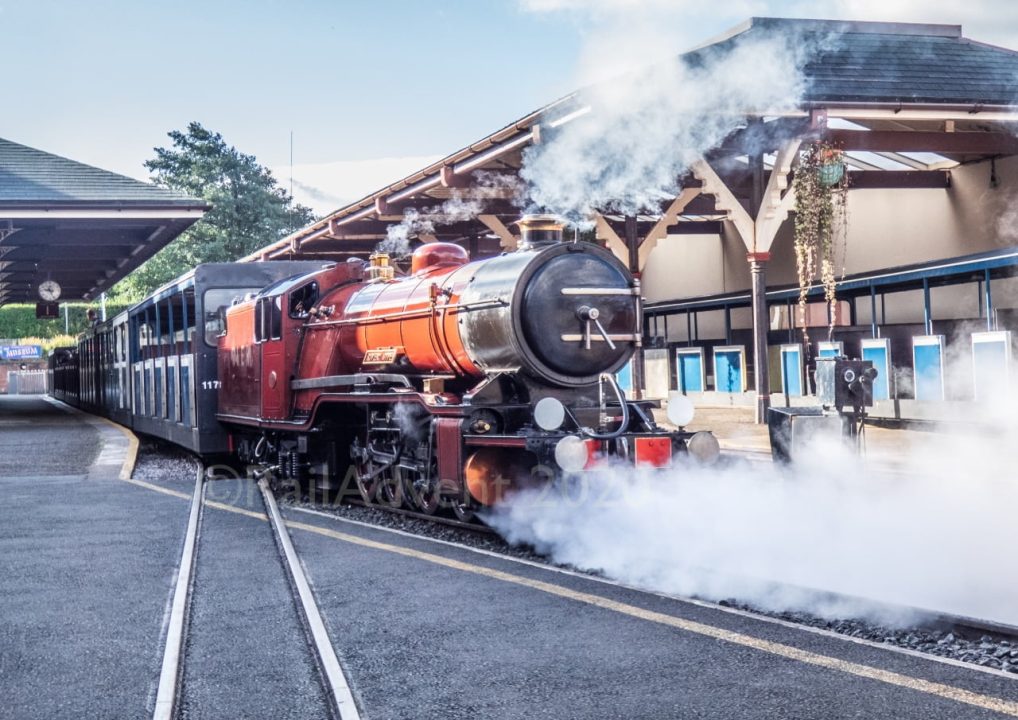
(303, 299)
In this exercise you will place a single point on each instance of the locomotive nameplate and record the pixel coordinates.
(381, 356)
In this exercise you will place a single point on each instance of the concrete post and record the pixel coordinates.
(761, 324)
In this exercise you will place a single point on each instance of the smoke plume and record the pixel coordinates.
(924, 523)
(934, 533)
(463, 206)
(645, 127)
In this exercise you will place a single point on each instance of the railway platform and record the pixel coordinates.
(423, 628)
(87, 566)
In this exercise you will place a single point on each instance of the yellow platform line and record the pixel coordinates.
(157, 488)
(928, 687)
(131, 458)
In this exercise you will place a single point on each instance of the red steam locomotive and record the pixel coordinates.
(447, 386)
(439, 389)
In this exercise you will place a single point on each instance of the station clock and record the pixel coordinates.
(49, 290)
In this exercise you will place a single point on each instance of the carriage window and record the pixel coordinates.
(303, 299)
(214, 301)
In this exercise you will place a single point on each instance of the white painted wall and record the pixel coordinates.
(886, 228)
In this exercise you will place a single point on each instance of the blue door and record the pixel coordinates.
(728, 370)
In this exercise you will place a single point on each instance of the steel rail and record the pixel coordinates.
(340, 696)
(168, 692)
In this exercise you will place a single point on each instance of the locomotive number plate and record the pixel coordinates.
(382, 356)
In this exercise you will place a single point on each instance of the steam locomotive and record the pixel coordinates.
(442, 388)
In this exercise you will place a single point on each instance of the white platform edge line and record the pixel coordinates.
(166, 695)
(338, 684)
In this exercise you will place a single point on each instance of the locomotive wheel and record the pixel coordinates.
(367, 476)
(463, 506)
(390, 490)
(424, 492)
(368, 485)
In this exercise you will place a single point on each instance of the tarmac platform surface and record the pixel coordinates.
(424, 629)
(87, 568)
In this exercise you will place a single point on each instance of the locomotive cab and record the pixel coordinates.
(260, 345)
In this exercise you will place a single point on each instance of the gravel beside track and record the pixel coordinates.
(166, 465)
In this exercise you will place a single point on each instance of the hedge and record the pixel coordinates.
(18, 320)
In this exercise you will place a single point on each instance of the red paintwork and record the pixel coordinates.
(437, 255)
(352, 317)
(240, 364)
(653, 451)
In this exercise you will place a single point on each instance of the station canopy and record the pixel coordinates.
(80, 226)
(905, 102)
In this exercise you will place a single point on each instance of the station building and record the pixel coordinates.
(923, 121)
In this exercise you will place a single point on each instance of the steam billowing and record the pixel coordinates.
(645, 129)
(929, 526)
(924, 525)
(461, 207)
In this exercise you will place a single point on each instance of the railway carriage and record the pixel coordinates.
(153, 367)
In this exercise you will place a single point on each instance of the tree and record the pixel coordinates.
(249, 209)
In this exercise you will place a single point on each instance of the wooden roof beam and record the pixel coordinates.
(726, 202)
(604, 231)
(669, 216)
(959, 143)
(899, 180)
(507, 239)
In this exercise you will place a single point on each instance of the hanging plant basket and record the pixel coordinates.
(832, 168)
(821, 185)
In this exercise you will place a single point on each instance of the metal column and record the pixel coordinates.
(758, 271)
(873, 311)
(633, 250)
(988, 295)
(927, 314)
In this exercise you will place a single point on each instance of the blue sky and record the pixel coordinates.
(103, 81)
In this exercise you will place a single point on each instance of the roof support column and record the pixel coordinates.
(771, 205)
(761, 324)
(633, 256)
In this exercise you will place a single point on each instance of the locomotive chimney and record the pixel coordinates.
(536, 230)
(379, 267)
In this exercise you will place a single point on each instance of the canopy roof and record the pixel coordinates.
(905, 101)
(78, 225)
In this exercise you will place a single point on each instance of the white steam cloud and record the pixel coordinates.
(461, 207)
(935, 533)
(925, 523)
(646, 127)
(929, 527)
(398, 236)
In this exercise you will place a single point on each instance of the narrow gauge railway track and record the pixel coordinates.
(973, 631)
(169, 694)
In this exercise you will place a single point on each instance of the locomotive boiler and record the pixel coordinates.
(450, 385)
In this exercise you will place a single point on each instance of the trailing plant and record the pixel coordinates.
(821, 189)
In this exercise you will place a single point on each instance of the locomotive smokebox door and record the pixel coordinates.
(842, 382)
